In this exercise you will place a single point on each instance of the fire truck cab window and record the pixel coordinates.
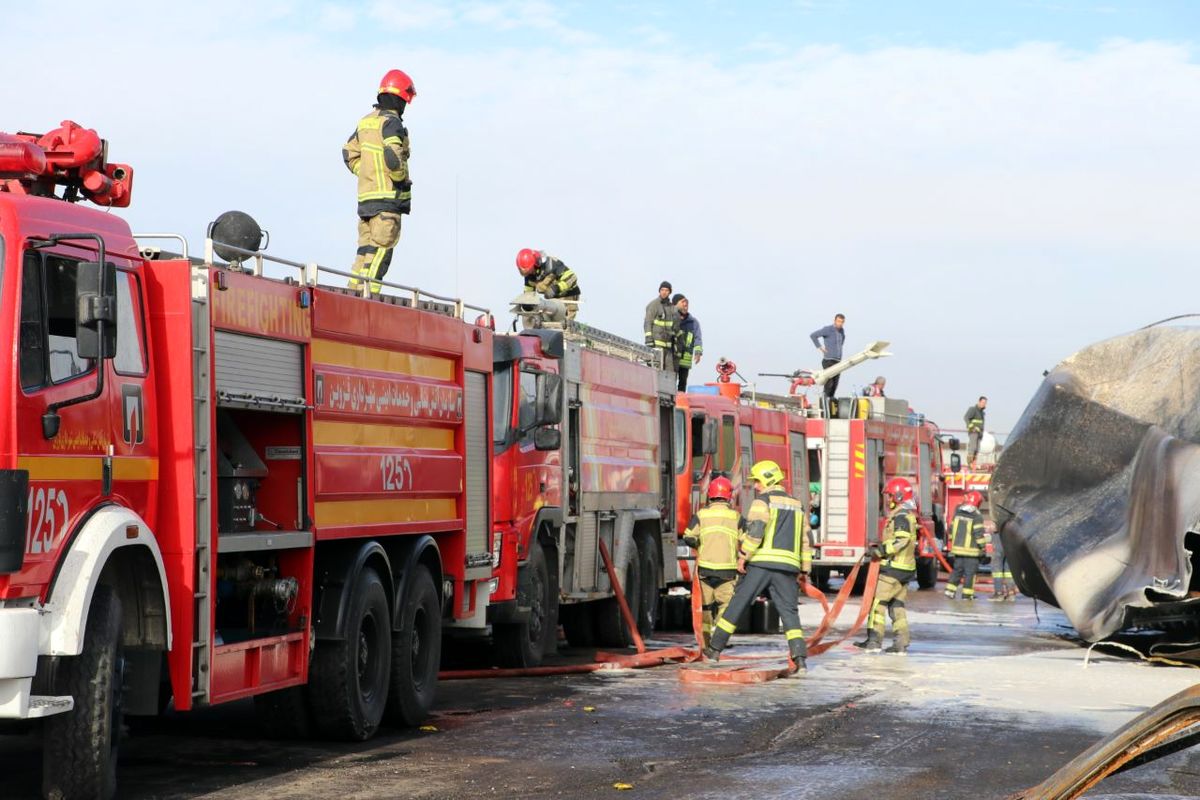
(747, 449)
(48, 345)
(502, 403)
(527, 408)
(130, 357)
(680, 437)
(728, 444)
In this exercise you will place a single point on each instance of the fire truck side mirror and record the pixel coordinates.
(953, 443)
(547, 439)
(549, 400)
(955, 462)
(93, 307)
(709, 439)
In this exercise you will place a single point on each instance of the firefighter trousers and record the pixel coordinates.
(715, 594)
(377, 238)
(890, 596)
(1001, 576)
(963, 576)
(784, 593)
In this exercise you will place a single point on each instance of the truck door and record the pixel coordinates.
(131, 400)
(874, 489)
(746, 452)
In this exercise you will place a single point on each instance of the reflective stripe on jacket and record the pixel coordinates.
(557, 274)
(690, 345)
(662, 324)
(377, 152)
(966, 533)
(714, 533)
(899, 543)
(974, 419)
(776, 533)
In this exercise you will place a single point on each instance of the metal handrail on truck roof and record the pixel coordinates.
(310, 273)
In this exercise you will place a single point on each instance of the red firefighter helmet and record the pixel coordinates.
(720, 488)
(527, 261)
(899, 491)
(973, 498)
(398, 83)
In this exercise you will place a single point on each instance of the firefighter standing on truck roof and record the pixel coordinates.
(974, 420)
(690, 345)
(662, 325)
(775, 555)
(899, 553)
(966, 545)
(377, 152)
(549, 277)
(715, 532)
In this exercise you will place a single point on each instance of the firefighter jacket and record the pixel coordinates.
(714, 532)
(377, 152)
(974, 419)
(776, 533)
(553, 279)
(662, 324)
(690, 345)
(899, 546)
(966, 532)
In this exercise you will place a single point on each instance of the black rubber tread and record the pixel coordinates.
(651, 575)
(413, 687)
(285, 714)
(79, 751)
(335, 690)
(520, 644)
(579, 624)
(611, 630)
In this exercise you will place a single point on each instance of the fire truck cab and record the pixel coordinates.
(215, 484)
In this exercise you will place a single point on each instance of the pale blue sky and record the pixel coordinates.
(989, 185)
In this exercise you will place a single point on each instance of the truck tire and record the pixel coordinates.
(651, 577)
(579, 624)
(927, 572)
(80, 746)
(521, 644)
(348, 681)
(611, 630)
(416, 652)
(284, 714)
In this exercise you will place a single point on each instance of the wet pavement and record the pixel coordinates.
(991, 699)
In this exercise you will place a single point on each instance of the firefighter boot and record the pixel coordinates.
(712, 650)
(871, 644)
(798, 655)
(898, 648)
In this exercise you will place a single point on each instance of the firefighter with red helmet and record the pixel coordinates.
(966, 545)
(377, 153)
(775, 553)
(549, 277)
(715, 532)
(898, 551)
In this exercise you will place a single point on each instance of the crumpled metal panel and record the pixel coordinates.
(1099, 482)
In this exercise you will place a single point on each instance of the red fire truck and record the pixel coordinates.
(853, 458)
(583, 442)
(216, 485)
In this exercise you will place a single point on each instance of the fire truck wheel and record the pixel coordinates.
(651, 577)
(80, 746)
(348, 683)
(611, 630)
(522, 644)
(416, 652)
(927, 572)
(579, 624)
(284, 714)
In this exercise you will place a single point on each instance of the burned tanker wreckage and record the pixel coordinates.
(1097, 494)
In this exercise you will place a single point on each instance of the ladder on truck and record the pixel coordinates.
(610, 343)
(202, 416)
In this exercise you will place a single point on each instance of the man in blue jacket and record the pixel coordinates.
(829, 341)
(690, 348)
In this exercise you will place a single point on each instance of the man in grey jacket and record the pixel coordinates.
(662, 325)
(829, 341)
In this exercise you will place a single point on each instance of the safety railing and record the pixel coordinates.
(311, 271)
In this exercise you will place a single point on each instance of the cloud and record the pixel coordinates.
(988, 212)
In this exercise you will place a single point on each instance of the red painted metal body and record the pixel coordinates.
(376, 448)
